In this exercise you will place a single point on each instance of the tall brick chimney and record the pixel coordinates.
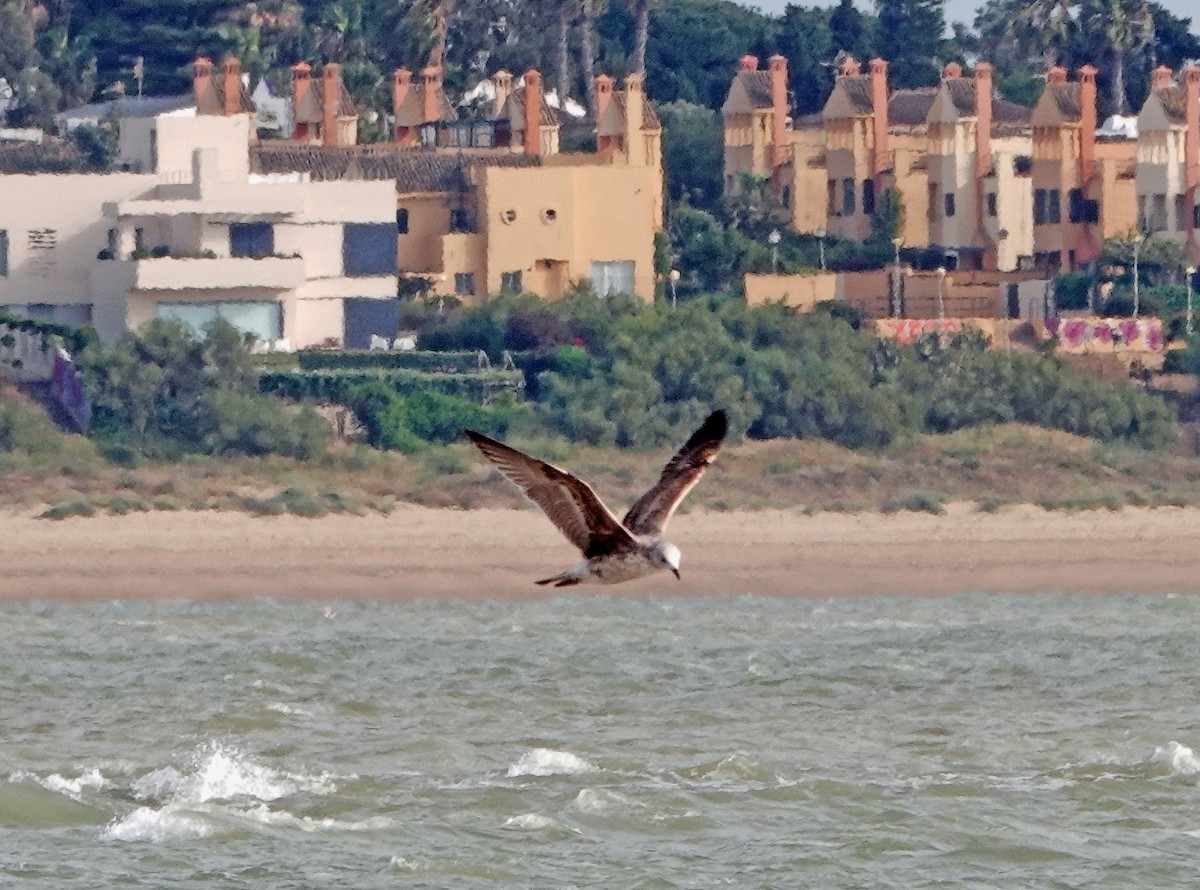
(331, 100)
(635, 145)
(983, 119)
(532, 112)
(779, 109)
(1057, 74)
(879, 111)
(231, 81)
(431, 87)
(301, 83)
(1160, 77)
(201, 77)
(604, 88)
(748, 63)
(951, 71)
(1087, 123)
(401, 83)
(1191, 139)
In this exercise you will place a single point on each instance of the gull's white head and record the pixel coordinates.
(667, 556)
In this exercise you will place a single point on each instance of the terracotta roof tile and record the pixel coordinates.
(909, 108)
(1066, 96)
(1174, 103)
(415, 170)
(857, 88)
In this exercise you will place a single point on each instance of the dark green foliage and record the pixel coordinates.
(162, 392)
(410, 423)
(644, 375)
(463, 361)
(331, 386)
(1071, 290)
(910, 35)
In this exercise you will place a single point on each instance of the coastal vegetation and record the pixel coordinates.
(825, 417)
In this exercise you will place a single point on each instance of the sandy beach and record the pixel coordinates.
(417, 553)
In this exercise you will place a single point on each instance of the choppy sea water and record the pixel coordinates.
(969, 742)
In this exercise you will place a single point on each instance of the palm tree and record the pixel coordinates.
(1118, 27)
(589, 11)
(1043, 27)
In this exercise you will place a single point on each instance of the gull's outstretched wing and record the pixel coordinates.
(569, 501)
(650, 514)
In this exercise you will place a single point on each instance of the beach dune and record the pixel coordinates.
(417, 552)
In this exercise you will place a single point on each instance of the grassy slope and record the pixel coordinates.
(39, 467)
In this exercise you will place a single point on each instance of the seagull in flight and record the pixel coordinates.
(613, 551)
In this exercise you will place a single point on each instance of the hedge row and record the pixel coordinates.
(75, 339)
(332, 386)
(462, 361)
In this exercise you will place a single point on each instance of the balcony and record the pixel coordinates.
(222, 273)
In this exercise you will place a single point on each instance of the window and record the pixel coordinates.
(113, 243)
(460, 220)
(428, 135)
(262, 319)
(991, 204)
(786, 197)
(948, 200)
(3, 253)
(1055, 208)
(1181, 214)
(1157, 221)
(1039, 207)
(1075, 206)
(401, 221)
(464, 283)
(831, 197)
(847, 197)
(254, 240)
(1195, 225)
(139, 240)
(868, 190)
(369, 249)
(511, 282)
(615, 277)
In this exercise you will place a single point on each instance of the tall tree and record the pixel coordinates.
(806, 40)
(850, 31)
(910, 37)
(1117, 28)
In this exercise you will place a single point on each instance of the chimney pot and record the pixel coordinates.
(779, 109)
(748, 63)
(331, 96)
(879, 114)
(1087, 123)
(952, 70)
(1057, 74)
(232, 85)
(983, 119)
(1160, 77)
(533, 112)
(1191, 90)
(431, 86)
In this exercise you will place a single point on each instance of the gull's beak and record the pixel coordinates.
(676, 571)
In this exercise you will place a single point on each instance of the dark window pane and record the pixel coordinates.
(402, 221)
(369, 249)
(251, 239)
(868, 196)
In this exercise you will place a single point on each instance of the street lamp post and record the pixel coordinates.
(1191, 274)
(941, 274)
(821, 246)
(1137, 250)
(774, 238)
(896, 243)
(673, 277)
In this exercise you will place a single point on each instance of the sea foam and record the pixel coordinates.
(218, 773)
(1181, 758)
(544, 762)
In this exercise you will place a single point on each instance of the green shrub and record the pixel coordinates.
(917, 502)
(67, 509)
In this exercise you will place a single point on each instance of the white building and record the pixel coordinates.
(195, 237)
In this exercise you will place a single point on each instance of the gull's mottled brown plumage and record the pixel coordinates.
(614, 551)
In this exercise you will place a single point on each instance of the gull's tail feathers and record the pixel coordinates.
(566, 579)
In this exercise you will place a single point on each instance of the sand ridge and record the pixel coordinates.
(417, 552)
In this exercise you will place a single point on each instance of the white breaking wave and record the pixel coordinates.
(72, 788)
(156, 826)
(1181, 758)
(224, 773)
(544, 762)
(220, 773)
(529, 822)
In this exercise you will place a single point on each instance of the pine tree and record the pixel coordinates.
(910, 35)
